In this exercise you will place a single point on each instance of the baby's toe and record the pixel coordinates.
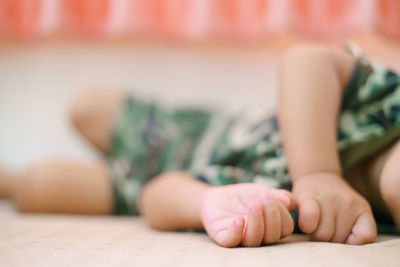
(272, 219)
(285, 197)
(230, 235)
(254, 232)
(287, 223)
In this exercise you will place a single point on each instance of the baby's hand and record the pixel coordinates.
(330, 210)
(247, 214)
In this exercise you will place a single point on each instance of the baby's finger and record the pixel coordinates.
(231, 235)
(309, 214)
(343, 224)
(287, 223)
(364, 230)
(285, 197)
(272, 218)
(326, 226)
(254, 233)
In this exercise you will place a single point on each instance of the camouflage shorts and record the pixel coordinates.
(222, 149)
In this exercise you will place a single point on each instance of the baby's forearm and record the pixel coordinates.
(171, 201)
(310, 95)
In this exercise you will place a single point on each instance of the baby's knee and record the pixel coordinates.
(390, 179)
(390, 186)
(92, 114)
(85, 106)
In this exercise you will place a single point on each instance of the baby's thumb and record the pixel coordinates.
(309, 214)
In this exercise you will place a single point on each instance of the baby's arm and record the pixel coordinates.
(310, 95)
(233, 215)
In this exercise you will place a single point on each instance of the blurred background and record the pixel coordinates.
(201, 52)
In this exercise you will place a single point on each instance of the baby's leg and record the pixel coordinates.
(390, 183)
(7, 181)
(378, 180)
(64, 187)
(93, 114)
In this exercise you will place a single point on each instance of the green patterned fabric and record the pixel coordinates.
(370, 115)
(148, 140)
(221, 148)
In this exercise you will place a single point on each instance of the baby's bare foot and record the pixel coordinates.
(247, 214)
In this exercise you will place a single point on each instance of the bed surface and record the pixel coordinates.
(63, 240)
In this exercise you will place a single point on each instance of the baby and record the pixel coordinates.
(335, 149)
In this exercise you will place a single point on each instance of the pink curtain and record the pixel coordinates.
(389, 17)
(20, 18)
(196, 19)
(330, 17)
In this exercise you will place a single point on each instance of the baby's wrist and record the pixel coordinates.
(319, 173)
(318, 179)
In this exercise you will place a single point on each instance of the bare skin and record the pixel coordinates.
(7, 183)
(221, 211)
(381, 172)
(64, 186)
(389, 184)
(331, 207)
(247, 215)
